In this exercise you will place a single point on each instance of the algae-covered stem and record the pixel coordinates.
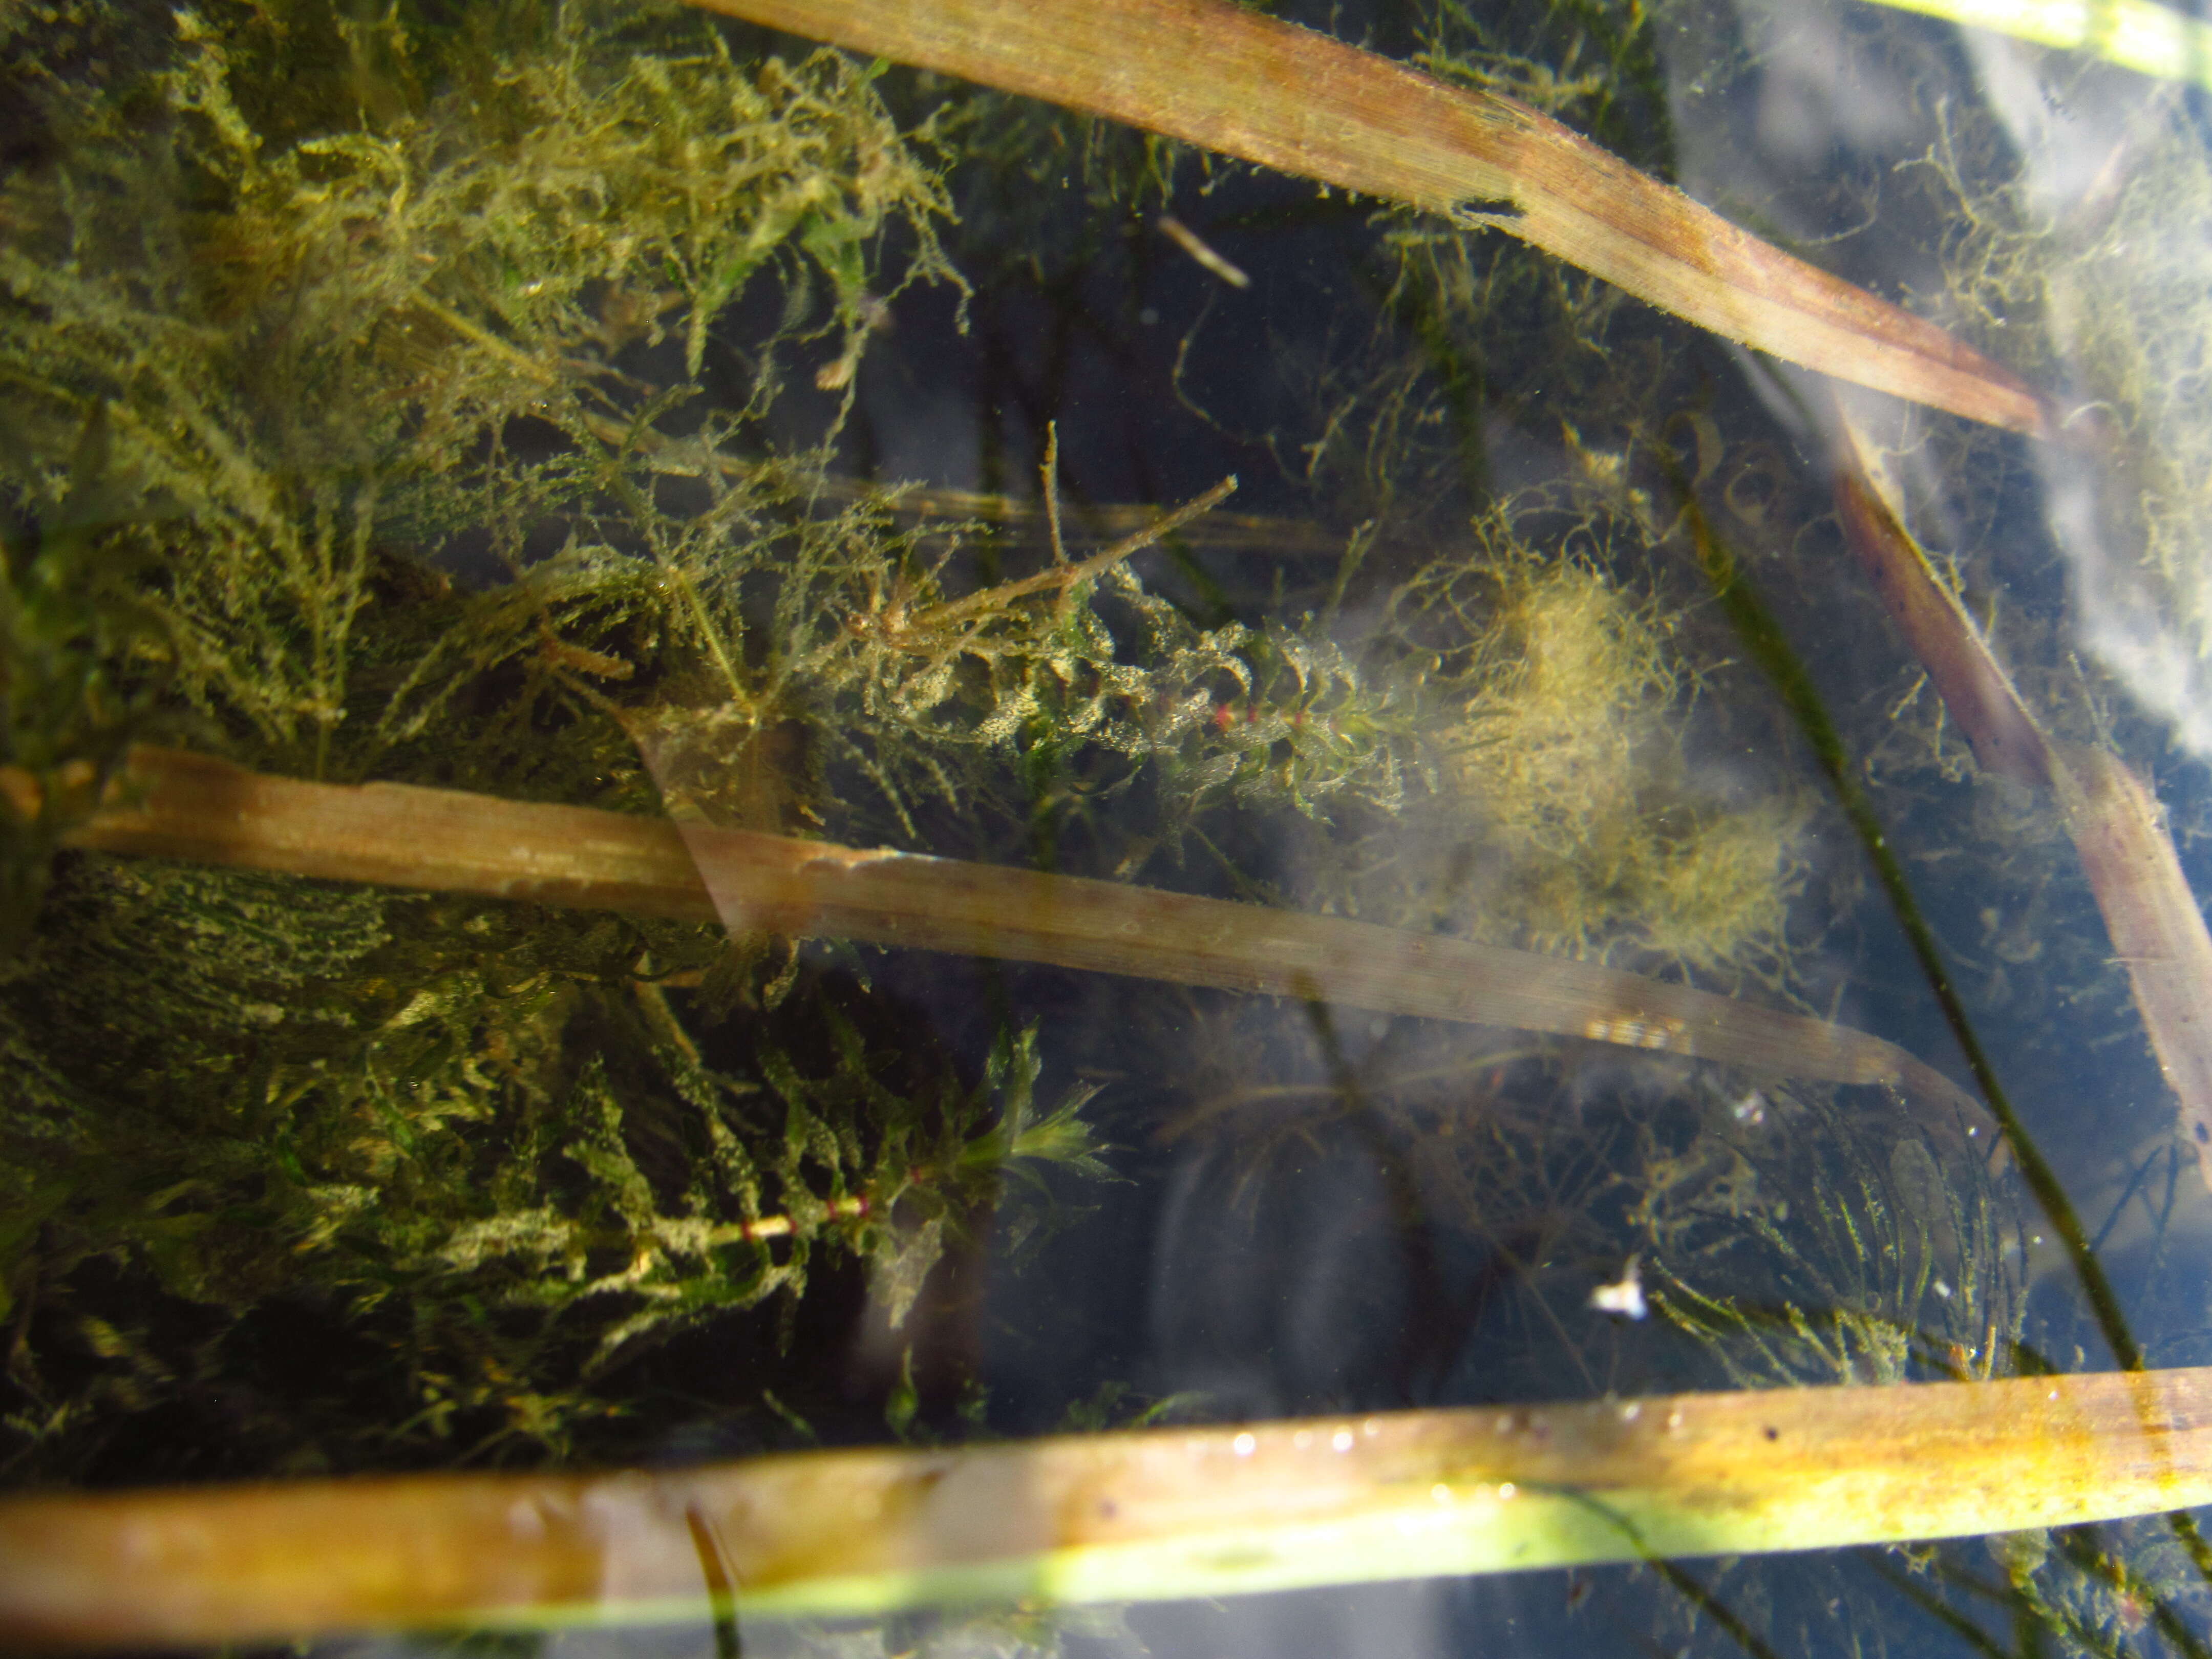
(1214, 74)
(1067, 576)
(172, 805)
(1144, 1515)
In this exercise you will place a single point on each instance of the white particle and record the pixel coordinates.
(1625, 1298)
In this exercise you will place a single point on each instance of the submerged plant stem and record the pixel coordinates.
(1064, 577)
(172, 805)
(1763, 639)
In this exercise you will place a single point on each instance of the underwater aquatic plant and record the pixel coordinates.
(296, 337)
(2088, 274)
(1797, 1252)
(1562, 729)
(381, 1122)
(522, 1150)
(335, 320)
(274, 350)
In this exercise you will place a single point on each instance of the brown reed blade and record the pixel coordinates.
(2157, 930)
(1218, 74)
(171, 805)
(1136, 1515)
(1977, 692)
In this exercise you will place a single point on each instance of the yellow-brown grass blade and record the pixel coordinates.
(1134, 1516)
(178, 805)
(1214, 74)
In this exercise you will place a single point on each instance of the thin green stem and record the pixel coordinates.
(1765, 641)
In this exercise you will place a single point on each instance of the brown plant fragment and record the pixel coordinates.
(1144, 1514)
(1216, 75)
(2158, 932)
(1977, 692)
(172, 805)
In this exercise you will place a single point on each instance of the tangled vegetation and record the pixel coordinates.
(293, 331)
(483, 399)
(410, 397)
(2088, 274)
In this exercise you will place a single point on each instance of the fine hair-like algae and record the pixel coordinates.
(450, 400)
(294, 335)
(2074, 241)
